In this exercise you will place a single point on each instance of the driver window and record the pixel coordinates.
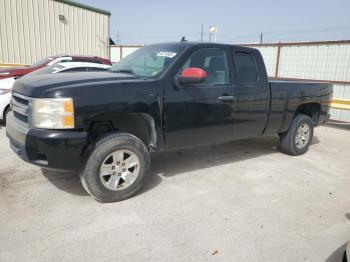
(213, 61)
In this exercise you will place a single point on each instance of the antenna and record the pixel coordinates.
(202, 32)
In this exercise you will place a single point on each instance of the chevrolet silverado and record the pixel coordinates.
(160, 97)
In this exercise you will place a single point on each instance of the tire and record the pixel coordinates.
(105, 155)
(294, 142)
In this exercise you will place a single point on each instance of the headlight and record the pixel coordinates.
(4, 91)
(53, 113)
(4, 73)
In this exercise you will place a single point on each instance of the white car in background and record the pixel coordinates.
(67, 67)
(5, 96)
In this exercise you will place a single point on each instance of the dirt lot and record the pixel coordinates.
(239, 201)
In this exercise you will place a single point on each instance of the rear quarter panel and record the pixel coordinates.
(287, 96)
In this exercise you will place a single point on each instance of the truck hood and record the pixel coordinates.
(45, 84)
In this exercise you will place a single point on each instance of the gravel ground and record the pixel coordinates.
(238, 201)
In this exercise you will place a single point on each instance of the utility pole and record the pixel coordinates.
(118, 37)
(212, 30)
(261, 38)
(202, 32)
(216, 30)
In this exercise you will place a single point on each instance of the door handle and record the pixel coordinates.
(226, 98)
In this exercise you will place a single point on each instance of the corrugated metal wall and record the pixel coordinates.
(317, 61)
(118, 52)
(321, 61)
(31, 30)
(269, 54)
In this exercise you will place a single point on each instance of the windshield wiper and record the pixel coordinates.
(128, 71)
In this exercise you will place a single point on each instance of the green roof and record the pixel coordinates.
(88, 7)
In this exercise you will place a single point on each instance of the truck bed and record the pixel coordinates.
(288, 96)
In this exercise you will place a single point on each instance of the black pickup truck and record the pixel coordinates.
(163, 96)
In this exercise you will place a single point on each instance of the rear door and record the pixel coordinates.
(251, 93)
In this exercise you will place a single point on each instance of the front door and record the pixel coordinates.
(201, 113)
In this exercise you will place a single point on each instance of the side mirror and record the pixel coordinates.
(191, 75)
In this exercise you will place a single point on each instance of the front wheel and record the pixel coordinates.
(299, 136)
(116, 168)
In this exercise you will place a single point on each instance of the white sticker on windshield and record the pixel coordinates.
(167, 54)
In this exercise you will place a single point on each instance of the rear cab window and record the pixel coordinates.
(246, 67)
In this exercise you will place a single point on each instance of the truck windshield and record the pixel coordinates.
(149, 61)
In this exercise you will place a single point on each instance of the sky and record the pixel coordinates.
(237, 21)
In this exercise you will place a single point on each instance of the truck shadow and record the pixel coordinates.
(338, 125)
(171, 163)
(177, 162)
(65, 181)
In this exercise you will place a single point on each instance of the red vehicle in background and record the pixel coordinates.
(23, 70)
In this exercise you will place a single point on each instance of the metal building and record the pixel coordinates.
(34, 29)
(324, 61)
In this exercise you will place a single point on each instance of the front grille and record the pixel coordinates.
(20, 100)
(20, 107)
(21, 117)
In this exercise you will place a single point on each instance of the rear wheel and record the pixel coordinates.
(299, 136)
(116, 168)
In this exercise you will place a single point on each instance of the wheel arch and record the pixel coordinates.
(310, 109)
(141, 125)
(5, 110)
